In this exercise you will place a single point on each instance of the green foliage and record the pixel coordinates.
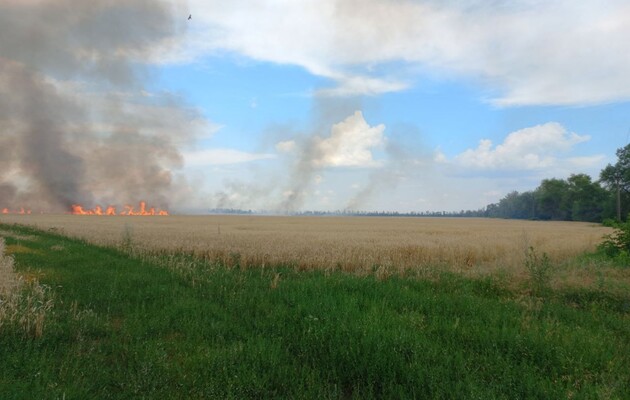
(585, 200)
(551, 198)
(617, 244)
(577, 198)
(618, 174)
(127, 328)
(609, 222)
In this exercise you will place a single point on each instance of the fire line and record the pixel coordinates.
(78, 209)
(111, 210)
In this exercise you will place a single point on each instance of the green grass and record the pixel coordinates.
(123, 327)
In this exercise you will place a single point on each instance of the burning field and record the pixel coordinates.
(78, 127)
(111, 210)
(77, 209)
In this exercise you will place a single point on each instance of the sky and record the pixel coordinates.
(398, 105)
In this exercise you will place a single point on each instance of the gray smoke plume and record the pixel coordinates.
(339, 138)
(301, 176)
(326, 112)
(76, 125)
(384, 178)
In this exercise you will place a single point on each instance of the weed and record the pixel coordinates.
(275, 281)
(539, 269)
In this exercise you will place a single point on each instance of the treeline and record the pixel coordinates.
(577, 198)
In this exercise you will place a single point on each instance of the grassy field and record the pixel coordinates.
(86, 321)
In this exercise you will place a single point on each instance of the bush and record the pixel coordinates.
(617, 242)
(609, 222)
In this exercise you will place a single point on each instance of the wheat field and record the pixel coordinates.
(357, 244)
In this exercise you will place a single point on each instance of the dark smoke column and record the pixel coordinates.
(71, 104)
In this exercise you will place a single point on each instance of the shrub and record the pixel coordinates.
(609, 222)
(617, 244)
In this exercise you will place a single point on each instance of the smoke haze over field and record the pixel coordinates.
(76, 125)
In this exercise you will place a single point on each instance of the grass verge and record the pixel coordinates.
(123, 327)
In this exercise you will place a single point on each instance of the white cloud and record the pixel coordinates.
(439, 157)
(222, 157)
(350, 144)
(527, 51)
(531, 148)
(587, 162)
(362, 85)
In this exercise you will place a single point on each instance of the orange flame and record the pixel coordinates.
(78, 209)
(21, 211)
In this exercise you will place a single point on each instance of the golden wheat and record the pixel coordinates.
(352, 244)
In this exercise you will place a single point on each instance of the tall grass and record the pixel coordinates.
(8, 277)
(24, 304)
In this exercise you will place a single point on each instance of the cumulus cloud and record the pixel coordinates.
(527, 52)
(350, 144)
(530, 148)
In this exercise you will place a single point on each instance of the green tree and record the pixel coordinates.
(617, 177)
(552, 199)
(513, 205)
(586, 199)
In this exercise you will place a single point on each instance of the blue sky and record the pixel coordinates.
(438, 106)
(406, 105)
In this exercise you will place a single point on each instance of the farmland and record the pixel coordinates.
(282, 307)
(471, 247)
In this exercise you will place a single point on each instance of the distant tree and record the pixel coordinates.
(585, 198)
(492, 211)
(509, 205)
(552, 199)
(527, 206)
